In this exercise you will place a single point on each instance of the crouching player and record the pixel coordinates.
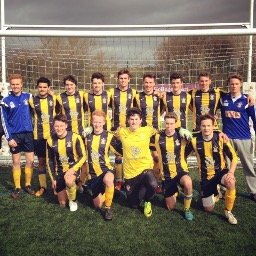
(140, 183)
(170, 147)
(65, 156)
(101, 181)
(211, 151)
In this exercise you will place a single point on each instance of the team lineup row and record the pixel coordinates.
(147, 154)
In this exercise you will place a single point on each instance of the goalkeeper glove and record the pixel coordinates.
(185, 134)
(87, 131)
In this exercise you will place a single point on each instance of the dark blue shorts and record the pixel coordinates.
(170, 186)
(96, 185)
(209, 187)
(25, 142)
(40, 147)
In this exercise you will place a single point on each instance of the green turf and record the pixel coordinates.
(38, 226)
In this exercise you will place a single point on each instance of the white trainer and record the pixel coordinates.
(231, 218)
(73, 206)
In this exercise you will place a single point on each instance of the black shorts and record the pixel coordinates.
(40, 147)
(209, 187)
(170, 186)
(96, 185)
(25, 142)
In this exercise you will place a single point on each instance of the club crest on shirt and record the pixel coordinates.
(155, 98)
(215, 149)
(69, 144)
(104, 100)
(50, 103)
(239, 104)
(25, 102)
(135, 151)
(212, 97)
(177, 142)
(77, 100)
(12, 105)
(103, 141)
(183, 100)
(129, 96)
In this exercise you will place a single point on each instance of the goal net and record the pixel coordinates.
(56, 57)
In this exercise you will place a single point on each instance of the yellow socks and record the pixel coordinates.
(230, 197)
(71, 192)
(109, 194)
(16, 173)
(187, 201)
(28, 175)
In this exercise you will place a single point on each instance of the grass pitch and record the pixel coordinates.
(38, 226)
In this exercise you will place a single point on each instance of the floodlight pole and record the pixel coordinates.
(249, 70)
(3, 54)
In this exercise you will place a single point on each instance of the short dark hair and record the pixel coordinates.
(204, 73)
(98, 75)
(43, 80)
(133, 112)
(235, 76)
(123, 71)
(69, 78)
(206, 117)
(61, 118)
(149, 75)
(171, 115)
(174, 76)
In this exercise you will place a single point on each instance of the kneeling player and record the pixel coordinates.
(170, 147)
(211, 151)
(101, 183)
(65, 156)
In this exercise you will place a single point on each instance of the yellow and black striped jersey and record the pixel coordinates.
(150, 106)
(121, 101)
(179, 104)
(204, 103)
(65, 153)
(136, 153)
(98, 147)
(98, 102)
(211, 154)
(171, 152)
(43, 112)
(73, 107)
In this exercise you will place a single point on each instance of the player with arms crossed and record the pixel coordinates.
(17, 124)
(43, 107)
(211, 151)
(65, 155)
(101, 182)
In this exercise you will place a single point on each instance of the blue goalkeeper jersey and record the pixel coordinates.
(235, 116)
(16, 117)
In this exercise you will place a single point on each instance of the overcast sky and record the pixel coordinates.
(118, 12)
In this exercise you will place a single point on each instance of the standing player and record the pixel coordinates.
(98, 145)
(18, 129)
(140, 183)
(122, 99)
(177, 101)
(149, 102)
(43, 107)
(170, 147)
(235, 114)
(211, 151)
(72, 105)
(64, 157)
(98, 99)
(204, 100)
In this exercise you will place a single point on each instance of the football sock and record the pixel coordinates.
(42, 180)
(16, 173)
(187, 201)
(109, 194)
(71, 192)
(230, 197)
(28, 175)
